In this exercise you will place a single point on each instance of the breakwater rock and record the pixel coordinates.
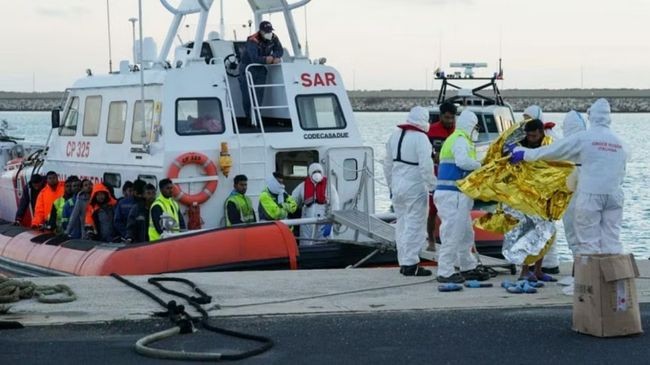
(621, 100)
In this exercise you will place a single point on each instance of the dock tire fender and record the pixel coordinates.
(209, 168)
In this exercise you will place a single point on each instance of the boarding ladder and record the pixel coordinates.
(372, 227)
(383, 236)
(256, 108)
(253, 155)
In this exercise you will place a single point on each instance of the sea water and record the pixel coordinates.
(375, 128)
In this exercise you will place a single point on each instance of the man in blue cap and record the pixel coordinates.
(263, 47)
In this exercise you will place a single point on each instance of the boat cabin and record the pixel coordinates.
(163, 117)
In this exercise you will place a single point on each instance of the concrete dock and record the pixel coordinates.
(367, 309)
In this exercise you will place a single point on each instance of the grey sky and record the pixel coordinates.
(375, 44)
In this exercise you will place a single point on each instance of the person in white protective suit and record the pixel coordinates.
(408, 169)
(573, 123)
(599, 194)
(312, 196)
(457, 160)
(534, 112)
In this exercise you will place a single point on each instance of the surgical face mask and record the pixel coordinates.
(317, 177)
(267, 36)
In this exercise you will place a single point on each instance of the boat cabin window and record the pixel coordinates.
(69, 127)
(199, 116)
(116, 122)
(294, 166)
(141, 131)
(321, 111)
(92, 111)
(149, 179)
(350, 167)
(487, 127)
(113, 179)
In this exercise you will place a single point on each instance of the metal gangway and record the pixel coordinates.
(382, 235)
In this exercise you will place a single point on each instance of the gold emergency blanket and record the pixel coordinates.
(533, 195)
(499, 221)
(534, 188)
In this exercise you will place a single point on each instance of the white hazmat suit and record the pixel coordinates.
(408, 169)
(573, 123)
(454, 207)
(312, 209)
(599, 193)
(534, 112)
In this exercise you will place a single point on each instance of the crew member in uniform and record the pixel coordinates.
(438, 133)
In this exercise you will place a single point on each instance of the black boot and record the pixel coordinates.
(414, 270)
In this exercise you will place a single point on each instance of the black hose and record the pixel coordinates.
(178, 315)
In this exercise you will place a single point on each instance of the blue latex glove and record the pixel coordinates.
(511, 147)
(326, 230)
(517, 157)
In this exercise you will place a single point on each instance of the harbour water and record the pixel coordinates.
(375, 128)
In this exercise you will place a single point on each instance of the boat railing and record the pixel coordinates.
(256, 108)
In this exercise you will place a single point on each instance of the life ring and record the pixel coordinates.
(210, 169)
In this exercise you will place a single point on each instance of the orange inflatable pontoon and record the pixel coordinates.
(265, 245)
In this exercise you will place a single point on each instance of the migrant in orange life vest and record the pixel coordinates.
(46, 197)
(312, 196)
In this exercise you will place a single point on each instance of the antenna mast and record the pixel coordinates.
(110, 54)
(222, 26)
(306, 35)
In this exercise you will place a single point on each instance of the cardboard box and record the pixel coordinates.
(605, 302)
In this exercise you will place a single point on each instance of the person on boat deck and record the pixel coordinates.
(68, 205)
(164, 204)
(312, 196)
(239, 208)
(275, 203)
(77, 217)
(137, 226)
(408, 169)
(99, 215)
(263, 47)
(123, 207)
(27, 202)
(602, 156)
(457, 160)
(58, 222)
(438, 133)
(52, 191)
